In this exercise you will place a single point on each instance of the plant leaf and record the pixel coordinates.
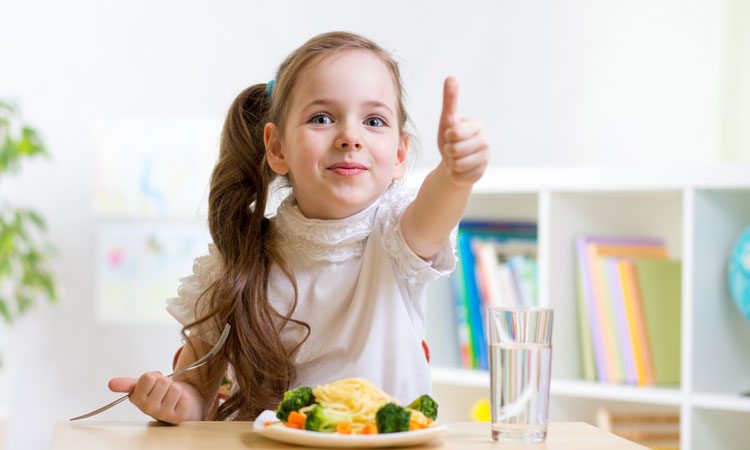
(4, 311)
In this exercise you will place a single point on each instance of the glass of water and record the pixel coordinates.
(520, 367)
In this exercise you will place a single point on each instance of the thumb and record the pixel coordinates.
(122, 384)
(450, 103)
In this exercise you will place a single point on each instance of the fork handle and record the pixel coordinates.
(103, 408)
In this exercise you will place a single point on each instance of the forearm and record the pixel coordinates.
(442, 199)
(437, 209)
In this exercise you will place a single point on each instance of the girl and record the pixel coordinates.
(332, 286)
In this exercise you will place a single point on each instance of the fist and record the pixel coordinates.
(462, 142)
(156, 395)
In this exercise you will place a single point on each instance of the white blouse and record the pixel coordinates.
(361, 290)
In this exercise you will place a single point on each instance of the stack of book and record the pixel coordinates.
(497, 267)
(629, 297)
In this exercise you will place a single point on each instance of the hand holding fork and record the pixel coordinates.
(159, 395)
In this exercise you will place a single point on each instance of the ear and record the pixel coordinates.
(403, 148)
(274, 150)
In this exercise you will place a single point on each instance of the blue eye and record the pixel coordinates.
(375, 122)
(321, 119)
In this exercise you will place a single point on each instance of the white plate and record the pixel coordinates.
(282, 433)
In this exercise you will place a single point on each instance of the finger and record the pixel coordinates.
(182, 409)
(122, 384)
(145, 383)
(458, 149)
(469, 163)
(171, 398)
(450, 102)
(462, 129)
(155, 398)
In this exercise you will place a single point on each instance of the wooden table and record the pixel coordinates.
(97, 435)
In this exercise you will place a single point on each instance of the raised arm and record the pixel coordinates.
(444, 194)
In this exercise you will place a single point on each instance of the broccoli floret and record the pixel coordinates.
(323, 419)
(294, 400)
(392, 418)
(426, 405)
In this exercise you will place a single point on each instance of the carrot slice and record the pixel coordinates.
(297, 418)
(344, 428)
(370, 428)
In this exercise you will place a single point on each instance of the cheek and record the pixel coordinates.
(313, 143)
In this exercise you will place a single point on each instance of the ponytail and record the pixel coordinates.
(246, 239)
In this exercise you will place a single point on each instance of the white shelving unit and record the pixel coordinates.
(699, 211)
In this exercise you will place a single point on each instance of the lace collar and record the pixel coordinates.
(334, 240)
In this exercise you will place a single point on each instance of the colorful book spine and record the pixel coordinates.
(478, 338)
(588, 369)
(465, 349)
(636, 323)
(604, 343)
(592, 310)
(623, 328)
(660, 282)
(605, 317)
(484, 279)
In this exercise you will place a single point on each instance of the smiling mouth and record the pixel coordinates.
(347, 169)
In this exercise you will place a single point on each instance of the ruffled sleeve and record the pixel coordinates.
(206, 269)
(408, 265)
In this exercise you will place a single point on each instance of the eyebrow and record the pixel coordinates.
(370, 103)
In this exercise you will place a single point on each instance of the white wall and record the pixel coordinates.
(555, 82)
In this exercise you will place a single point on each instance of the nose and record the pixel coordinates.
(348, 139)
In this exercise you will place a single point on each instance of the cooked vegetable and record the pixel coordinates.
(392, 418)
(296, 420)
(426, 405)
(323, 419)
(344, 428)
(418, 421)
(294, 400)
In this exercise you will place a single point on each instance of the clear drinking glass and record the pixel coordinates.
(520, 368)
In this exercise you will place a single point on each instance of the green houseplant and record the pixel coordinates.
(24, 248)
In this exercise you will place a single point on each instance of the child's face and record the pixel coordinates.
(341, 145)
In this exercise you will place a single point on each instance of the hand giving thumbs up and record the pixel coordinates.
(462, 142)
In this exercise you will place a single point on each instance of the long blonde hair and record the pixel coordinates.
(246, 239)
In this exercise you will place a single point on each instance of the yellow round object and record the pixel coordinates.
(480, 412)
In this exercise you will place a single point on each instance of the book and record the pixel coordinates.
(636, 323)
(600, 344)
(660, 283)
(461, 314)
(614, 282)
(484, 279)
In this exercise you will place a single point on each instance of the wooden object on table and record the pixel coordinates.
(96, 435)
(657, 431)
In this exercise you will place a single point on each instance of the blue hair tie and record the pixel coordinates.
(269, 88)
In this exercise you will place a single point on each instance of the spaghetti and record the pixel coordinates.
(356, 398)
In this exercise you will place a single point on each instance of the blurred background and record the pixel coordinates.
(129, 98)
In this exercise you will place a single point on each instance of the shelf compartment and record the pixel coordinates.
(720, 334)
(654, 213)
(718, 430)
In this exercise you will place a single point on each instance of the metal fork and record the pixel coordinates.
(195, 365)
